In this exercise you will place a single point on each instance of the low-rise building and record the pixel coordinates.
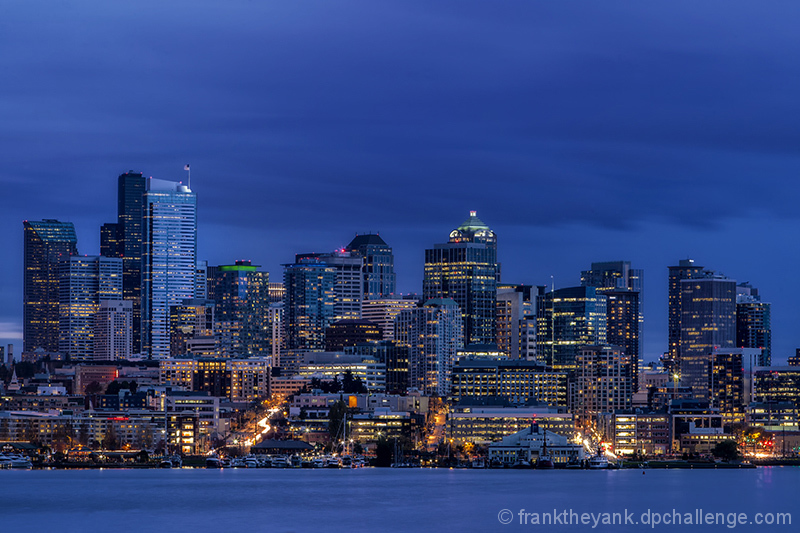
(482, 424)
(515, 380)
(529, 444)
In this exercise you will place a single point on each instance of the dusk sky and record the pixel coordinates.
(579, 131)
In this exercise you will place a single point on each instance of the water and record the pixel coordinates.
(379, 500)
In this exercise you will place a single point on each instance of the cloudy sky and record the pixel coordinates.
(580, 132)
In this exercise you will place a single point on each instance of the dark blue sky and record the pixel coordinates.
(648, 131)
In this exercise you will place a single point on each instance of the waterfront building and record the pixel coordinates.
(381, 424)
(482, 424)
(514, 381)
(685, 269)
(567, 319)
(309, 304)
(630, 432)
(433, 334)
(728, 389)
(603, 383)
(384, 311)
(242, 295)
(84, 282)
(753, 322)
(46, 244)
(113, 330)
(708, 321)
(349, 332)
(529, 443)
(776, 384)
(465, 270)
(378, 265)
(169, 259)
(773, 416)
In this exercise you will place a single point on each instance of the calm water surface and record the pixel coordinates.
(380, 499)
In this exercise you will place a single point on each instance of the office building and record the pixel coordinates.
(465, 270)
(515, 381)
(47, 243)
(394, 356)
(753, 322)
(378, 265)
(309, 304)
(343, 333)
(383, 311)
(85, 281)
(708, 322)
(131, 187)
(603, 383)
(169, 259)
(241, 294)
(516, 306)
(348, 287)
(685, 269)
(190, 322)
(113, 330)
(434, 334)
(776, 384)
(111, 243)
(567, 319)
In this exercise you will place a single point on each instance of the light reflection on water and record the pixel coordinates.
(371, 499)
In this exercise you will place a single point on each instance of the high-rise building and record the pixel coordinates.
(434, 333)
(343, 333)
(685, 269)
(131, 187)
(753, 322)
(465, 270)
(624, 287)
(515, 304)
(84, 282)
(113, 330)
(567, 319)
(603, 383)
(189, 321)
(169, 259)
(111, 244)
(348, 287)
(392, 354)
(47, 243)
(727, 382)
(241, 292)
(309, 304)
(708, 321)
(383, 312)
(378, 265)
(201, 280)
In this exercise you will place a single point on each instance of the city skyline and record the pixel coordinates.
(620, 133)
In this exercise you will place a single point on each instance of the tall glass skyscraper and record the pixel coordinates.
(753, 323)
(685, 269)
(169, 259)
(309, 303)
(708, 322)
(348, 289)
(131, 187)
(85, 282)
(47, 243)
(465, 270)
(378, 266)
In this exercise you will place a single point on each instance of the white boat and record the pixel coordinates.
(598, 462)
(332, 462)
(318, 462)
(279, 461)
(250, 462)
(15, 461)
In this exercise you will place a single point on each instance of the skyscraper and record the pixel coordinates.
(624, 287)
(465, 270)
(753, 323)
(378, 265)
(686, 269)
(84, 282)
(603, 383)
(113, 330)
(241, 294)
(433, 333)
(708, 322)
(515, 304)
(567, 319)
(47, 243)
(169, 259)
(309, 303)
(348, 288)
(131, 187)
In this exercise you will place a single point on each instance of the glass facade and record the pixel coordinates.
(378, 269)
(47, 243)
(309, 304)
(169, 259)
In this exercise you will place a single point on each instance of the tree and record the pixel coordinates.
(352, 385)
(110, 439)
(726, 450)
(93, 388)
(383, 453)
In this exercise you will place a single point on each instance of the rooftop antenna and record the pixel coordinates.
(187, 169)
